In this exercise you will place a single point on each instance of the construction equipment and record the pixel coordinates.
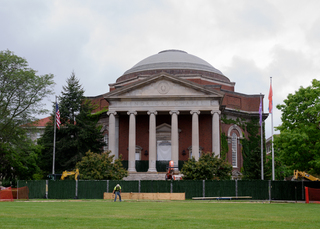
(54, 176)
(305, 175)
(173, 172)
(70, 173)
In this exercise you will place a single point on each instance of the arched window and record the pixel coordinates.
(234, 150)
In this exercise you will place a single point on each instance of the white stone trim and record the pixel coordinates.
(237, 128)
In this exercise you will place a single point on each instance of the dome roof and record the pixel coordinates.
(174, 62)
(172, 59)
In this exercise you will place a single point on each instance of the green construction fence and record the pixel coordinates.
(88, 189)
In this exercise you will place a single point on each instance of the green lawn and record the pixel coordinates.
(162, 214)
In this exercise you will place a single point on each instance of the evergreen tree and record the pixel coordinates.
(71, 100)
(79, 131)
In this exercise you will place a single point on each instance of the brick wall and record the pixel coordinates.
(185, 136)
(100, 102)
(242, 102)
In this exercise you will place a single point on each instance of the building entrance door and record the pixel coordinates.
(163, 150)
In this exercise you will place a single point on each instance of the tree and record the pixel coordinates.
(209, 167)
(95, 166)
(251, 146)
(251, 151)
(299, 139)
(71, 100)
(21, 93)
(79, 130)
(282, 171)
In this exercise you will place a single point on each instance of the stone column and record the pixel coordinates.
(132, 141)
(117, 138)
(152, 141)
(112, 132)
(174, 137)
(216, 132)
(195, 134)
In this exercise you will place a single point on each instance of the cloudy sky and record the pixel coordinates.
(248, 40)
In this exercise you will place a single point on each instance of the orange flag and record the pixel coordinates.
(270, 100)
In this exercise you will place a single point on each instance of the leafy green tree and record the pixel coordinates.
(95, 166)
(282, 171)
(209, 167)
(21, 94)
(79, 130)
(251, 151)
(299, 139)
(19, 160)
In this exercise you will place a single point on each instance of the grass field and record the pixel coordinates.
(162, 214)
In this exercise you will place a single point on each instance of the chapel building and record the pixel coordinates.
(169, 106)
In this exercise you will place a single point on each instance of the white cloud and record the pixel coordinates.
(247, 40)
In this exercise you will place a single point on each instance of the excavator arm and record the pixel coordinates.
(70, 173)
(297, 174)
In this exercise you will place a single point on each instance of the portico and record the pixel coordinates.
(160, 96)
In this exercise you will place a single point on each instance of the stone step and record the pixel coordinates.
(145, 176)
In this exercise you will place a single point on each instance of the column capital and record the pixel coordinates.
(174, 112)
(132, 112)
(152, 112)
(215, 112)
(112, 112)
(197, 112)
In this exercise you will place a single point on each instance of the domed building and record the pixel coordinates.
(169, 106)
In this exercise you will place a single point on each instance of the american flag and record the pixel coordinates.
(58, 116)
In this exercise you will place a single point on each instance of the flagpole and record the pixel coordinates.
(54, 137)
(273, 171)
(261, 133)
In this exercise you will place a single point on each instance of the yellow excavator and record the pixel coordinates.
(70, 173)
(297, 174)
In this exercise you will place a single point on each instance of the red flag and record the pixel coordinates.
(270, 100)
(58, 116)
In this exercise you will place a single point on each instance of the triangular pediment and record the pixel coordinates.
(163, 85)
(164, 128)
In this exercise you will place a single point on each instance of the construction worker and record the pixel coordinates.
(117, 191)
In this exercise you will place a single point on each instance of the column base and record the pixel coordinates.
(176, 164)
(152, 170)
(132, 170)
